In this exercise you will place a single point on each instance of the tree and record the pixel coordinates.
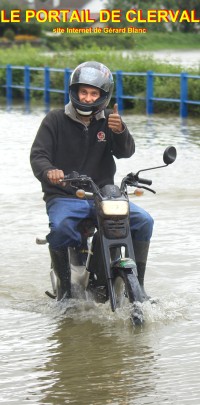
(181, 5)
(128, 5)
(184, 5)
(32, 28)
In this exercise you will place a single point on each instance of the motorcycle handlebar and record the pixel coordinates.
(144, 181)
(81, 181)
(76, 177)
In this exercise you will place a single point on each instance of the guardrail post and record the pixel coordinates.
(119, 90)
(183, 95)
(47, 87)
(27, 87)
(9, 86)
(66, 85)
(149, 93)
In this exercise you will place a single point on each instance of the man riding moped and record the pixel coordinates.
(83, 137)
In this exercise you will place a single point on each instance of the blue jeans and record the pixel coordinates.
(65, 215)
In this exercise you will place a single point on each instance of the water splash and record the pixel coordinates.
(159, 311)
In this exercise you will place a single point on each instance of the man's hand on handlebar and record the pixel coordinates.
(55, 176)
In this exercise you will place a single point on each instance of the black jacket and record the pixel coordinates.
(67, 144)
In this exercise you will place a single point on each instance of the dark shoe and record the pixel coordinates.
(61, 267)
(141, 252)
(141, 267)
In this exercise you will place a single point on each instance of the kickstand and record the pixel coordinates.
(50, 295)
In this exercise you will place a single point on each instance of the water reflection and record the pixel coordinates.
(108, 368)
(25, 350)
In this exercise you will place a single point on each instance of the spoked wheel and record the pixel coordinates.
(127, 290)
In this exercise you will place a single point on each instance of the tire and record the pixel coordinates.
(127, 290)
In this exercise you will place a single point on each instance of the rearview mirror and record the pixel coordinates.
(169, 155)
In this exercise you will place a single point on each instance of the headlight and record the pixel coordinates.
(115, 208)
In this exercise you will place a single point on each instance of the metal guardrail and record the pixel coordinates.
(119, 95)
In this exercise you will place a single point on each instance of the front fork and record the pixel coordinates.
(107, 244)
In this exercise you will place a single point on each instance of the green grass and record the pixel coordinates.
(153, 41)
(37, 57)
(164, 87)
(150, 41)
(145, 42)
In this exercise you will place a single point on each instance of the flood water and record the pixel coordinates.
(184, 58)
(81, 353)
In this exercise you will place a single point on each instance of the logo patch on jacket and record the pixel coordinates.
(101, 136)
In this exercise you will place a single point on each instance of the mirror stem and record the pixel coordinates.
(151, 168)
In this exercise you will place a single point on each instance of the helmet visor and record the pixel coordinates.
(99, 78)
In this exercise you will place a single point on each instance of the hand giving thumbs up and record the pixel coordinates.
(114, 120)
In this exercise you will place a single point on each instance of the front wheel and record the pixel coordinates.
(127, 290)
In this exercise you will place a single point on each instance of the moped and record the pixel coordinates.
(104, 267)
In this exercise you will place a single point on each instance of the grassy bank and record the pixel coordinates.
(146, 42)
(150, 41)
(27, 55)
(165, 87)
(153, 41)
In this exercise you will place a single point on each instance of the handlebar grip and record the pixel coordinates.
(71, 176)
(144, 181)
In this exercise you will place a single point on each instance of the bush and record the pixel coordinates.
(79, 41)
(9, 34)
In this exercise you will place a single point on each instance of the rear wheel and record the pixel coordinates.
(127, 290)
